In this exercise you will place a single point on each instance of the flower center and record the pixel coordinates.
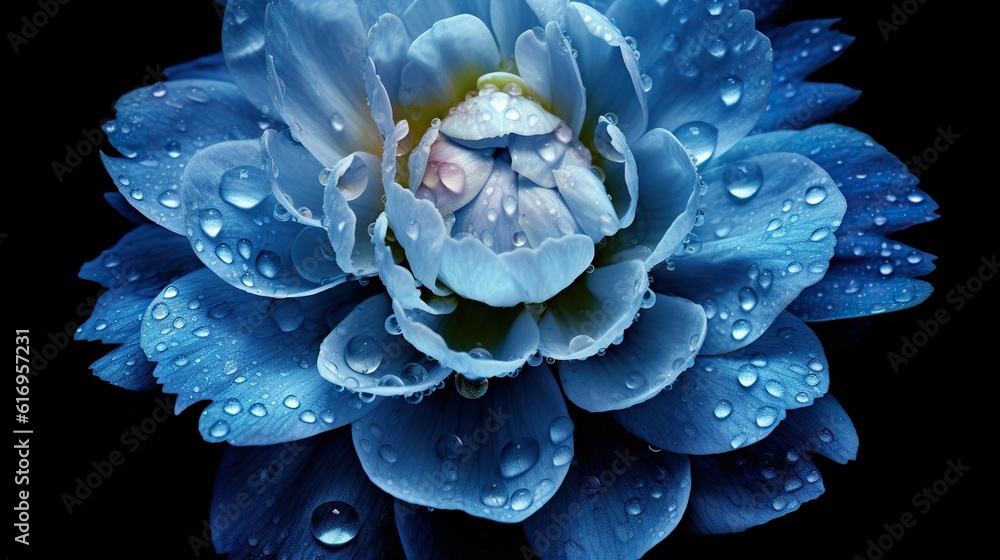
(506, 171)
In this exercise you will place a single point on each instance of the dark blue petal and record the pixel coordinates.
(707, 67)
(736, 399)
(763, 10)
(618, 500)
(243, 47)
(500, 456)
(159, 128)
(211, 67)
(430, 533)
(255, 357)
(735, 491)
(797, 105)
(237, 227)
(804, 47)
(287, 501)
(768, 234)
(126, 366)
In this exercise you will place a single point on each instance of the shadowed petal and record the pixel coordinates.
(243, 47)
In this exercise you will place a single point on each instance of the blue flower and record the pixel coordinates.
(542, 263)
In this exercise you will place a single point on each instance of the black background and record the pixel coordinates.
(65, 80)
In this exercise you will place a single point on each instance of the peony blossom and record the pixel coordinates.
(539, 262)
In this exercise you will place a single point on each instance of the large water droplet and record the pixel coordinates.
(494, 494)
(335, 523)
(699, 137)
(244, 187)
(518, 456)
(560, 429)
(413, 373)
(219, 429)
(211, 222)
(815, 195)
(635, 506)
(741, 329)
(268, 264)
(723, 409)
(748, 298)
(731, 91)
(766, 415)
(747, 375)
(363, 354)
(743, 180)
(521, 499)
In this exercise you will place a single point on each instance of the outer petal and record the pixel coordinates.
(236, 229)
(291, 500)
(263, 393)
(547, 64)
(618, 500)
(767, 235)
(706, 65)
(509, 18)
(243, 47)
(669, 201)
(661, 345)
(735, 491)
(498, 457)
(594, 312)
(733, 400)
(315, 58)
(388, 43)
(422, 15)
(159, 128)
(362, 355)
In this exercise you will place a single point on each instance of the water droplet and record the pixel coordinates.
(169, 199)
(741, 329)
(363, 354)
(449, 446)
(815, 195)
(335, 523)
(635, 506)
(699, 137)
(494, 494)
(743, 180)
(412, 374)
(645, 82)
(590, 486)
(748, 300)
(723, 408)
(518, 456)
(521, 499)
(291, 401)
(160, 311)
(268, 264)
(220, 310)
(211, 222)
(173, 148)
(766, 415)
(244, 187)
(519, 238)
(337, 122)
(731, 91)
(471, 389)
(219, 429)
(308, 416)
(747, 375)
(387, 453)
(825, 435)
(560, 429)
(258, 410)
(562, 455)
(819, 234)
(244, 247)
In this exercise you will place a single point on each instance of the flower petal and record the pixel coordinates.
(607, 68)
(493, 457)
(388, 43)
(422, 15)
(300, 500)
(398, 280)
(736, 399)
(618, 500)
(669, 201)
(363, 356)
(262, 393)
(314, 259)
(594, 312)
(160, 127)
(705, 65)
(735, 491)
(237, 230)
(765, 238)
(350, 218)
(315, 58)
(546, 63)
(243, 47)
(462, 341)
(661, 345)
(445, 62)
(127, 367)
(509, 18)
(295, 176)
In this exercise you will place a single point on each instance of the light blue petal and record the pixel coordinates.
(661, 345)
(546, 63)
(134, 271)
(295, 176)
(315, 260)
(767, 235)
(489, 120)
(371, 10)
(622, 176)
(388, 43)
(734, 400)
(256, 358)
(732, 492)
(421, 15)
(493, 215)
(798, 105)
(524, 275)
(243, 47)
(236, 230)
(445, 61)
(436, 533)
(618, 500)
(669, 182)
(287, 500)
(544, 214)
(534, 157)
(315, 56)
(398, 280)
(462, 341)
(470, 168)
(127, 367)
(510, 18)
(450, 452)
(362, 355)
(825, 428)
(160, 127)
(707, 65)
(424, 244)
(854, 289)
(586, 198)
(594, 312)
(350, 214)
(379, 104)
(609, 71)
(210, 67)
